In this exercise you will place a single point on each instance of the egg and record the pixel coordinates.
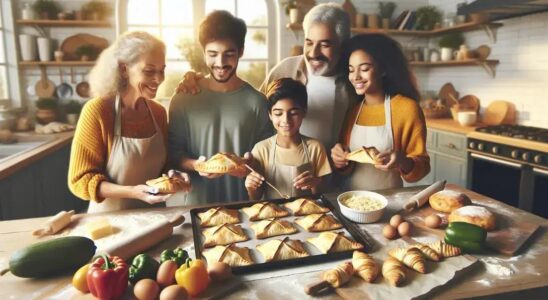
(404, 229)
(389, 232)
(432, 221)
(174, 292)
(219, 271)
(146, 289)
(396, 220)
(166, 273)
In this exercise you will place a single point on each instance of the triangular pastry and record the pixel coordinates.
(230, 254)
(443, 249)
(318, 222)
(264, 210)
(218, 216)
(365, 155)
(274, 250)
(410, 257)
(272, 227)
(303, 207)
(328, 242)
(167, 185)
(223, 235)
(221, 163)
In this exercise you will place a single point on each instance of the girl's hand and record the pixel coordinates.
(253, 182)
(306, 181)
(338, 155)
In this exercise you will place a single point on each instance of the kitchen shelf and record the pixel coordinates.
(489, 64)
(76, 63)
(65, 23)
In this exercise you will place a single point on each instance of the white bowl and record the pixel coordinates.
(358, 215)
(467, 118)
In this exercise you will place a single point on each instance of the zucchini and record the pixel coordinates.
(464, 245)
(466, 231)
(52, 257)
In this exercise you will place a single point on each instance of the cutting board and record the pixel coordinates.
(507, 238)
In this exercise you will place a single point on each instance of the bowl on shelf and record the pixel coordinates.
(467, 118)
(362, 206)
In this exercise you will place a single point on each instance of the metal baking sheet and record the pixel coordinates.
(260, 265)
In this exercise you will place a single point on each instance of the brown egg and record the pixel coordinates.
(146, 289)
(389, 232)
(174, 292)
(166, 273)
(219, 271)
(404, 229)
(432, 221)
(396, 220)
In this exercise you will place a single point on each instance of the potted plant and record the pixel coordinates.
(86, 52)
(46, 9)
(292, 10)
(96, 10)
(428, 17)
(193, 54)
(46, 110)
(386, 9)
(73, 108)
(448, 43)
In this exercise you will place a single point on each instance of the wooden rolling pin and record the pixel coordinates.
(336, 277)
(420, 198)
(146, 238)
(55, 223)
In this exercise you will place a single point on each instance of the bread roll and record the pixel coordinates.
(477, 215)
(448, 200)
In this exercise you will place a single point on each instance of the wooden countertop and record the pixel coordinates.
(450, 125)
(530, 266)
(26, 158)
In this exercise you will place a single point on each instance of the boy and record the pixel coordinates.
(292, 162)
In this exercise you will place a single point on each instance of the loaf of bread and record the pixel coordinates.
(448, 200)
(477, 215)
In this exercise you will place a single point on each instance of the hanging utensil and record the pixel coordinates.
(44, 88)
(64, 90)
(285, 196)
(82, 88)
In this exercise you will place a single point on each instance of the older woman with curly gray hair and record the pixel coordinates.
(121, 137)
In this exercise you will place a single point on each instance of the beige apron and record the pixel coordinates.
(281, 176)
(366, 176)
(132, 161)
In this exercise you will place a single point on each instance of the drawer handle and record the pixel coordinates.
(451, 146)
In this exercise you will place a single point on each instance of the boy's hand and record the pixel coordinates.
(253, 182)
(338, 155)
(306, 181)
(206, 175)
(189, 84)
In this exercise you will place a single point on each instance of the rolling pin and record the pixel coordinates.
(55, 223)
(335, 278)
(420, 198)
(149, 236)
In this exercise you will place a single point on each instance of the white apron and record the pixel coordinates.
(132, 161)
(281, 176)
(366, 176)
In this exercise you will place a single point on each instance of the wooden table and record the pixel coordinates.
(530, 277)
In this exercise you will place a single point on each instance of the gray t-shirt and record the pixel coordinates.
(211, 122)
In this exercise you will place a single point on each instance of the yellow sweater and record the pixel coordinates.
(408, 130)
(92, 143)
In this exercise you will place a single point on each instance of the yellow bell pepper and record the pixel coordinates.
(79, 280)
(192, 275)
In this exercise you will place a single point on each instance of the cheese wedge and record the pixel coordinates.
(99, 228)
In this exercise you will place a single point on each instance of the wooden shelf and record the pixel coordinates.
(65, 23)
(76, 63)
(489, 64)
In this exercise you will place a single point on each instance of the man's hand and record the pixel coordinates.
(189, 84)
(183, 176)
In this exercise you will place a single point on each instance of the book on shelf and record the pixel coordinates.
(411, 21)
(397, 21)
(404, 22)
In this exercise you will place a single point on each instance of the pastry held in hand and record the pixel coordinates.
(328, 242)
(410, 257)
(167, 185)
(365, 155)
(318, 222)
(365, 266)
(394, 271)
(443, 249)
(223, 235)
(303, 207)
(272, 227)
(221, 163)
(218, 216)
(264, 210)
(230, 254)
(275, 250)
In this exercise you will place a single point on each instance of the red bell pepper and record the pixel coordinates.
(108, 277)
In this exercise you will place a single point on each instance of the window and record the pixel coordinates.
(176, 23)
(4, 94)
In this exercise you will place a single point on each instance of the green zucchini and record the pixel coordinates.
(52, 257)
(466, 231)
(464, 245)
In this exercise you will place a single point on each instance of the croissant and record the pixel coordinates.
(318, 222)
(303, 207)
(340, 275)
(443, 249)
(393, 271)
(223, 235)
(264, 210)
(365, 266)
(428, 252)
(218, 216)
(410, 257)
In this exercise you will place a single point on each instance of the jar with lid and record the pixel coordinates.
(27, 13)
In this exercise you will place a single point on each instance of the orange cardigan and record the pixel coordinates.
(408, 129)
(92, 143)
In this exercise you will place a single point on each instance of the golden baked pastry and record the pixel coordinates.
(167, 185)
(303, 207)
(365, 155)
(410, 257)
(448, 200)
(365, 266)
(328, 242)
(230, 254)
(318, 222)
(272, 227)
(223, 235)
(340, 275)
(443, 249)
(477, 215)
(264, 210)
(218, 216)
(274, 250)
(221, 163)
(394, 271)
(428, 252)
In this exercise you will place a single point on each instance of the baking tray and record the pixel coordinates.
(260, 266)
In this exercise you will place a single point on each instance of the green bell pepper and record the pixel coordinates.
(143, 266)
(177, 255)
(468, 237)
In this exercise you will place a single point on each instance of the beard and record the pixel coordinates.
(229, 69)
(318, 70)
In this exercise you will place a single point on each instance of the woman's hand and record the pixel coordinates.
(141, 192)
(189, 84)
(306, 181)
(394, 160)
(253, 182)
(338, 155)
(187, 186)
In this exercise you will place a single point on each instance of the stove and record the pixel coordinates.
(517, 132)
